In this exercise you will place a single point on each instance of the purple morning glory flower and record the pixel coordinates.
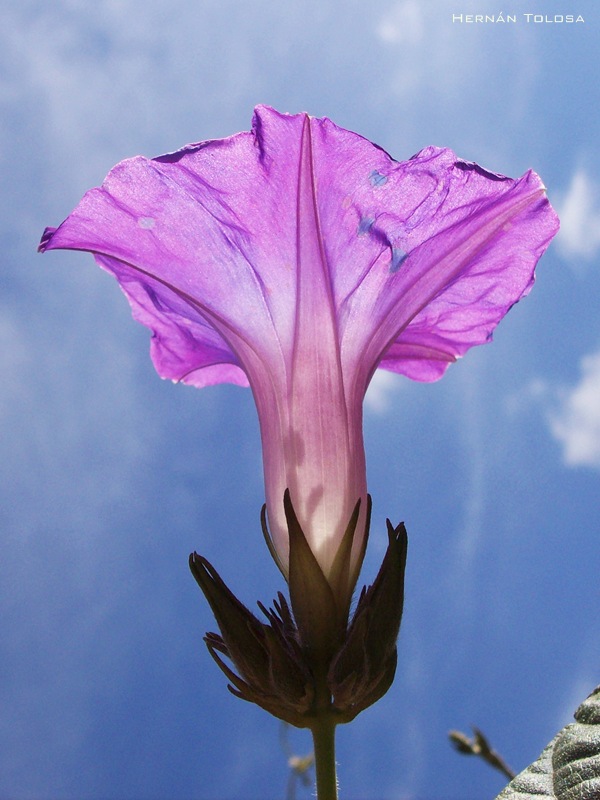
(297, 258)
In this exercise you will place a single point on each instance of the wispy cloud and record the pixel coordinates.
(379, 394)
(579, 213)
(431, 57)
(402, 23)
(469, 534)
(576, 424)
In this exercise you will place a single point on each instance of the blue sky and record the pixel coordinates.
(110, 476)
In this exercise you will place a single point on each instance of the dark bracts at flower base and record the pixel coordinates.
(313, 661)
(313, 668)
(296, 259)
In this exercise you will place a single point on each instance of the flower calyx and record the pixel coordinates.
(268, 657)
(364, 668)
(309, 660)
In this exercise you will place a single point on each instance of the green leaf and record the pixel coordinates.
(569, 767)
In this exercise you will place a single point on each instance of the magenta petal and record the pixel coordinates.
(429, 253)
(184, 346)
(182, 267)
(317, 452)
(457, 285)
(297, 258)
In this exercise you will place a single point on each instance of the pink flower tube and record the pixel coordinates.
(297, 258)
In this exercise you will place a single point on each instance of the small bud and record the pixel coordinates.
(480, 746)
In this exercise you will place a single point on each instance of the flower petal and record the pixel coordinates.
(458, 285)
(178, 251)
(322, 461)
(298, 257)
(430, 253)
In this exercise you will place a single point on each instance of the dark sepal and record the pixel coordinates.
(272, 674)
(342, 578)
(311, 662)
(269, 541)
(318, 617)
(364, 667)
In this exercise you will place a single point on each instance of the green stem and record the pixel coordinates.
(323, 733)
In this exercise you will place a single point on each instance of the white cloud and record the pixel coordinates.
(521, 400)
(577, 424)
(382, 387)
(402, 24)
(434, 69)
(579, 213)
